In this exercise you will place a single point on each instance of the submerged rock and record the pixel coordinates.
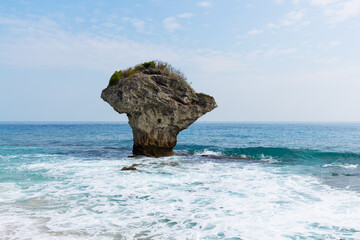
(131, 168)
(158, 103)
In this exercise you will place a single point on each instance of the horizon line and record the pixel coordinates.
(112, 122)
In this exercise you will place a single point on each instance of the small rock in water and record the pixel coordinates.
(131, 168)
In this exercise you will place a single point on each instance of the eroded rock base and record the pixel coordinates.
(151, 151)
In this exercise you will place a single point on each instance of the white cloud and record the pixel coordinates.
(250, 33)
(185, 15)
(319, 2)
(345, 10)
(292, 18)
(333, 43)
(205, 4)
(289, 19)
(171, 23)
(276, 51)
(42, 43)
(272, 26)
(270, 52)
(336, 10)
(254, 32)
(138, 24)
(254, 54)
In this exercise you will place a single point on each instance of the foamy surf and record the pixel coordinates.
(208, 153)
(187, 200)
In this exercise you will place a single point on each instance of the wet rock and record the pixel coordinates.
(131, 168)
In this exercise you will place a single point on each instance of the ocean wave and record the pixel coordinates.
(348, 166)
(278, 155)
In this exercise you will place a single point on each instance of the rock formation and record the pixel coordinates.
(158, 104)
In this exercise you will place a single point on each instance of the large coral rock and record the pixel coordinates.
(158, 108)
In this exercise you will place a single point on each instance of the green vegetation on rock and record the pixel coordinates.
(115, 78)
(164, 68)
(151, 64)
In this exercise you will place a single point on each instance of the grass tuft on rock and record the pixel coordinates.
(165, 69)
(151, 64)
(115, 78)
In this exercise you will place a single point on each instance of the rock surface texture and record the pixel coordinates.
(158, 108)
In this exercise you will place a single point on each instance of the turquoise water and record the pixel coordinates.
(63, 181)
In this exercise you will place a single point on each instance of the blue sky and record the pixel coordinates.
(269, 60)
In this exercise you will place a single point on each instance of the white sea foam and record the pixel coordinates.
(268, 159)
(164, 200)
(9, 191)
(208, 152)
(348, 166)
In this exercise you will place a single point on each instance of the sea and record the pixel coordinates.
(63, 180)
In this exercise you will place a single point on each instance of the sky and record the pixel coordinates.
(262, 60)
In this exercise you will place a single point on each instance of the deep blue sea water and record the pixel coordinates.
(63, 181)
